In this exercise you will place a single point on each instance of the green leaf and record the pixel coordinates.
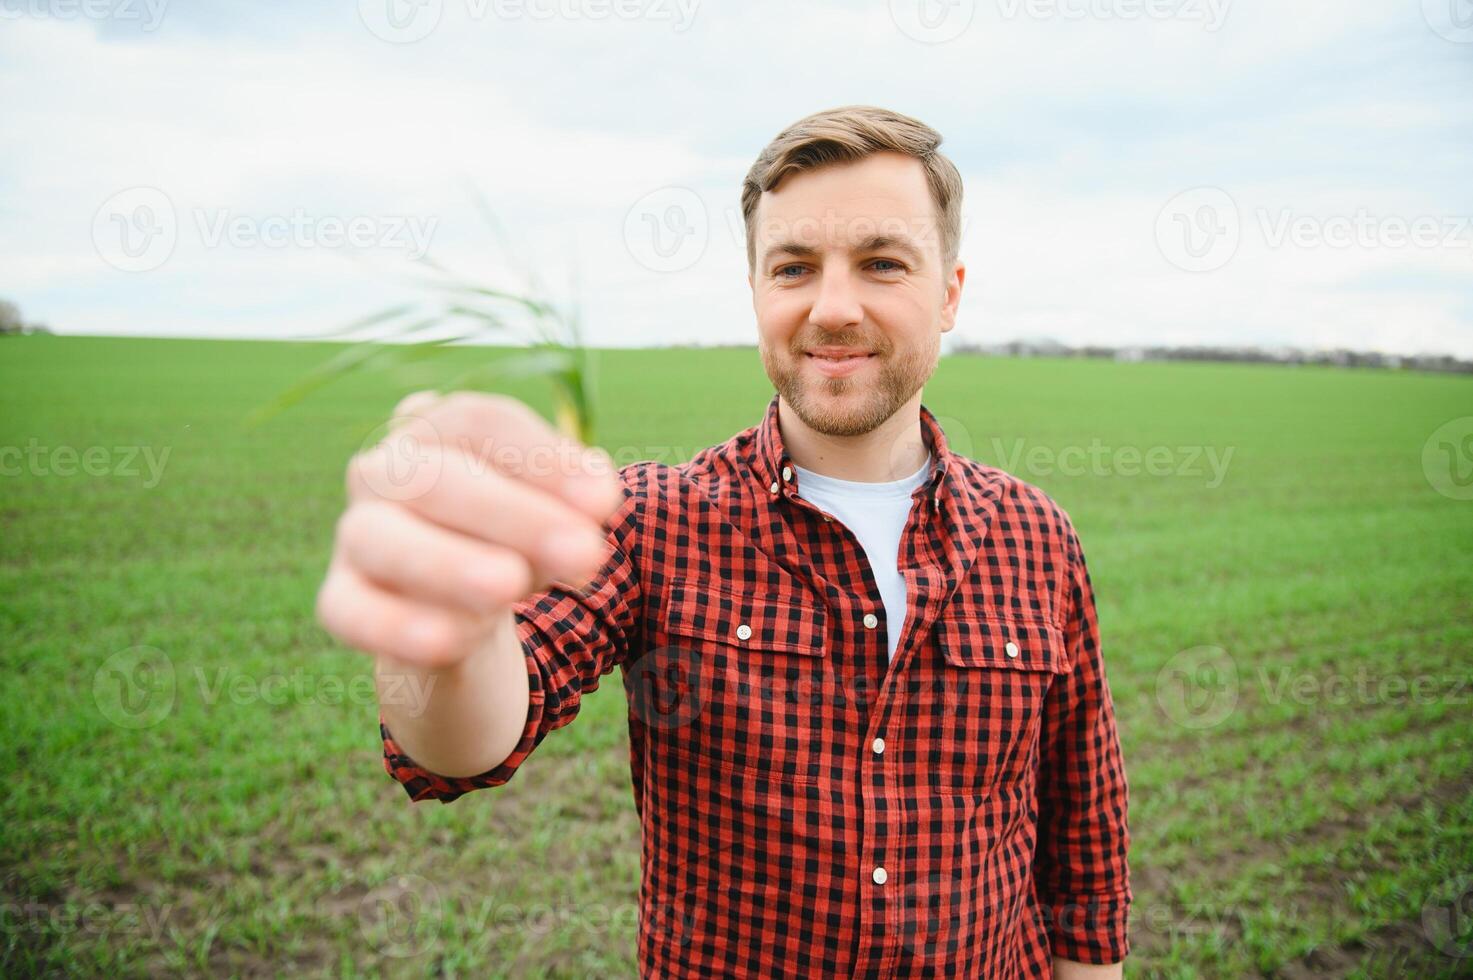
(536, 307)
(357, 357)
(555, 349)
(533, 362)
(372, 319)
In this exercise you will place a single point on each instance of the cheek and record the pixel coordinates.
(779, 318)
(908, 313)
(906, 304)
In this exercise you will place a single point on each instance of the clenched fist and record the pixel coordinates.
(469, 504)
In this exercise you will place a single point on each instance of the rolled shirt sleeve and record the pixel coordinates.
(1080, 866)
(570, 638)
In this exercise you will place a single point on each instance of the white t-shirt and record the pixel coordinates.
(876, 513)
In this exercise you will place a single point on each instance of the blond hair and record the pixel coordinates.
(848, 134)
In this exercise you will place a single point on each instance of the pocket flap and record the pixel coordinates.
(1017, 644)
(755, 621)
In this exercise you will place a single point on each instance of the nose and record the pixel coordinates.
(837, 304)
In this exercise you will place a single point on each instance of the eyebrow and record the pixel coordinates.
(874, 243)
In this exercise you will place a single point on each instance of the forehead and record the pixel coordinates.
(843, 204)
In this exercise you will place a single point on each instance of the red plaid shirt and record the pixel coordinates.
(809, 807)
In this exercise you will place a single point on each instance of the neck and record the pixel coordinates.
(896, 449)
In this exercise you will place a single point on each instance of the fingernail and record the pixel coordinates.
(594, 486)
(488, 581)
(572, 552)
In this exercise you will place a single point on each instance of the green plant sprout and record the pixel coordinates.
(550, 338)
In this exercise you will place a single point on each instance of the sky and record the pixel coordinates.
(1137, 172)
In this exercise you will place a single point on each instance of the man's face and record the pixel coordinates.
(848, 261)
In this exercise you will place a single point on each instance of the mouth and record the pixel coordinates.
(837, 365)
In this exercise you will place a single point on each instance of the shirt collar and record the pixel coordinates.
(774, 471)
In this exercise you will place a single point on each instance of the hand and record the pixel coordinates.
(470, 503)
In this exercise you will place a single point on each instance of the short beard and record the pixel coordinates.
(900, 378)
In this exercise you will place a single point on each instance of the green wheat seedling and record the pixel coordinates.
(408, 339)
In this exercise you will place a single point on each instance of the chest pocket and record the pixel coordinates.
(994, 678)
(756, 666)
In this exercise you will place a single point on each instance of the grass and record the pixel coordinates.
(250, 828)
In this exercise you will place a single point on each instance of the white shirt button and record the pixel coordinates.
(871, 621)
(880, 876)
(1012, 649)
(773, 488)
(878, 745)
(744, 632)
(787, 473)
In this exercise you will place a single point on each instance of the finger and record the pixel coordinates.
(371, 619)
(507, 435)
(559, 542)
(394, 548)
(414, 404)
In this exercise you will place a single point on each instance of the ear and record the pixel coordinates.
(953, 298)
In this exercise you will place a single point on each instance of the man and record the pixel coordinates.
(870, 730)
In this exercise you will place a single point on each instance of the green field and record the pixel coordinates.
(1289, 641)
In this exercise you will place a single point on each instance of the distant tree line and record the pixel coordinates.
(11, 323)
(1337, 357)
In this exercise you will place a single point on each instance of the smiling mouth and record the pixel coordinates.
(836, 366)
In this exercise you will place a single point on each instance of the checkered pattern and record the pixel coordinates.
(808, 807)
